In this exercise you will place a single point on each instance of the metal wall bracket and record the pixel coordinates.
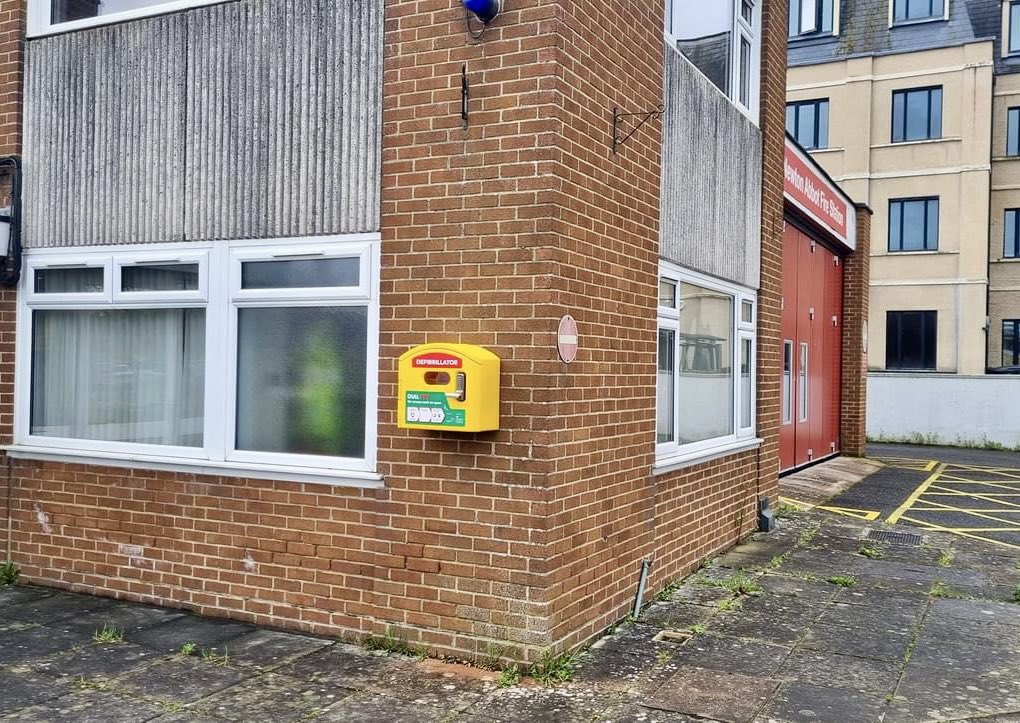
(619, 117)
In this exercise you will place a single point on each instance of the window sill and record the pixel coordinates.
(1002, 159)
(925, 252)
(680, 461)
(918, 21)
(277, 473)
(1007, 260)
(919, 142)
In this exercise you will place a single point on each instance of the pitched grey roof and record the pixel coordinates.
(864, 30)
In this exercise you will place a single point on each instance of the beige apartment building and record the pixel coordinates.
(913, 106)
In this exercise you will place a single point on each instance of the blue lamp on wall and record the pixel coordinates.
(484, 10)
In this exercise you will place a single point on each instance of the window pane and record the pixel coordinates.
(667, 294)
(1010, 342)
(917, 116)
(704, 33)
(133, 375)
(931, 241)
(935, 113)
(808, 16)
(745, 383)
(1014, 27)
(913, 225)
(666, 386)
(69, 281)
(745, 72)
(896, 226)
(300, 273)
(1013, 132)
(899, 102)
(794, 18)
(1011, 239)
(806, 125)
(823, 125)
(911, 339)
(746, 312)
(163, 277)
(787, 382)
(747, 11)
(705, 387)
(791, 119)
(301, 380)
(67, 10)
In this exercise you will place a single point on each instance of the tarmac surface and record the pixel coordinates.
(829, 618)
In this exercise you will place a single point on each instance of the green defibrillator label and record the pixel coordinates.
(432, 408)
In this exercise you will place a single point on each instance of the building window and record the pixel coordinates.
(142, 354)
(917, 114)
(905, 11)
(1014, 27)
(808, 17)
(706, 380)
(910, 338)
(723, 40)
(914, 224)
(56, 16)
(1013, 132)
(1011, 234)
(1011, 342)
(808, 122)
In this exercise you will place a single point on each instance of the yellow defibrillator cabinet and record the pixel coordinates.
(452, 387)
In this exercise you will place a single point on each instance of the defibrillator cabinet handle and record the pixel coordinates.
(460, 393)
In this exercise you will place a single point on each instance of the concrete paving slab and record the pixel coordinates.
(636, 713)
(15, 595)
(733, 655)
(940, 694)
(268, 649)
(345, 666)
(23, 688)
(43, 610)
(569, 704)
(797, 702)
(676, 615)
(841, 671)
(279, 697)
(809, 592)
(126, 617)
(34, 643)
(880, 644)
(178, 680)
(90, 707)
(778, 629)
(378, 708)
(168, 636)
(721, 696)
(94, 660)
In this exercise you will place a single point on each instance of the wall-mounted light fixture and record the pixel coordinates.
(10, 220)
(483, 12)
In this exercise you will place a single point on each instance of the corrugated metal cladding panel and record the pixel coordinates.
(711, 179)
(249, 119)
(104, 135)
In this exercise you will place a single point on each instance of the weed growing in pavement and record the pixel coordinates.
(945, 558)
(210, 655)
(940, 589)
(509, 676)
(740, 584)
(108, 634)
(698, 629)
(9, 573)
(871, 551)
(170, 706)
(808, 535)
(82, 683)
(843, 580)
(393, 644)
(494, 654)
(785, 509)
(188, 649)
(553, 669)
(663, 657)
(1016, 593)
(728, 604)
(668, 589)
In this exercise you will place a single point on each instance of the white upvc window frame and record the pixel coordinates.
(809, 29)
(40, 24)
(739, 28)
(220, 295)
(672, 455)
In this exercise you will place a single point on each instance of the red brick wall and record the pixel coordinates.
(12, 32)
(856, 278)
(530, 537)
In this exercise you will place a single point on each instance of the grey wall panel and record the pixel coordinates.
(249, 119)
(104, 135)
(284, 118)
(711, 179)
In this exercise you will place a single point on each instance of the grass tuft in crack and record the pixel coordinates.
(843, 580)
(210, 655)
(108, 634)
(698, 629)
(553, 669)
(394, 644)
(509, 677)
(940, 589)
(188, 649)
(945, 558)
(871, 551)
(9, 573)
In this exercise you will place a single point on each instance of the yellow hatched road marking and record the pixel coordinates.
(950, 508)
(969, 494)
(796, 503)
(915, 495)
(979, 496)
(869, 515)
(961, 533)
(1010, 472)
(945, 508)
(999, 485)
(931, 465)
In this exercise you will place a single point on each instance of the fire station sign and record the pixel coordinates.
(811, 191)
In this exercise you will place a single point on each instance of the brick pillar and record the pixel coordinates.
(12, 53)
(856, 277)
(770, 315)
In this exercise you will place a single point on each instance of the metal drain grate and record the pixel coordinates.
(896, 538)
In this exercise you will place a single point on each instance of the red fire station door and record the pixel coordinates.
(811, 350)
